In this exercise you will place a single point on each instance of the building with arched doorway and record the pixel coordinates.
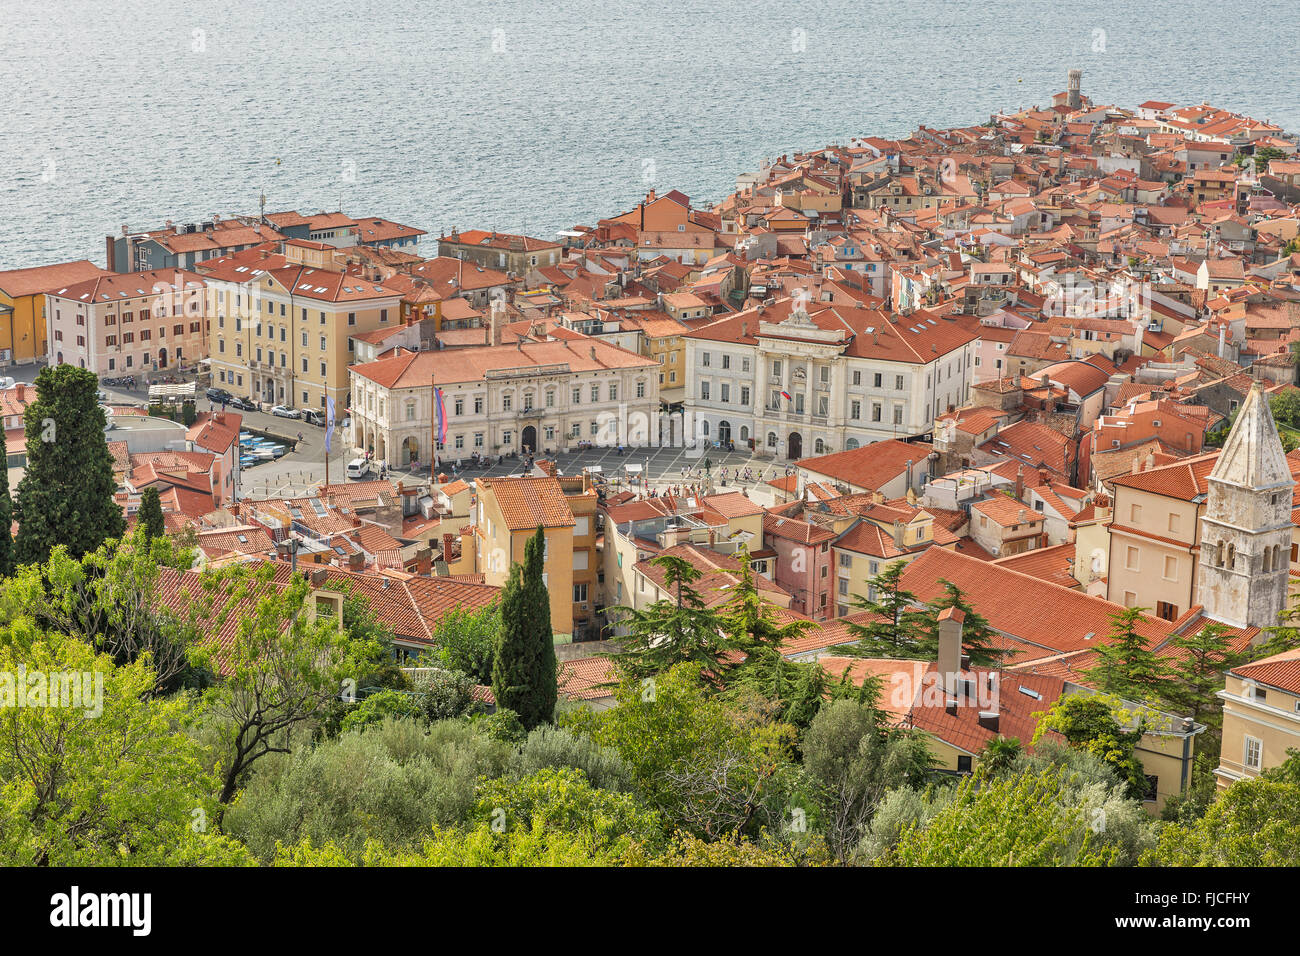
(523, 398)
(135, 323)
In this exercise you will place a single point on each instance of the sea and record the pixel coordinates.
(535, 116)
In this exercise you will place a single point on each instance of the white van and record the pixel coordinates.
(358, 468)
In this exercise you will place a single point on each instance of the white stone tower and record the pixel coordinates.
(1246, 528)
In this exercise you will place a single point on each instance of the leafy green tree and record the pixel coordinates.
(563, 799)
(110, 598)
(387, 782)
(978, 639)
(1252, 823)
(6, 513)
(1125, 666)
(524, 671)
(1020, 820)
(188, 414)
(1095, 723)
(673, 630)
(103, 778)
(151, 514)
(466, 639)
(549, 746)
(799, 689)
(280, 668)
(896, 631)
(708, 770)
(66, 494)
(853, 756)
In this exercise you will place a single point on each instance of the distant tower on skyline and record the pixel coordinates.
(1074, 94)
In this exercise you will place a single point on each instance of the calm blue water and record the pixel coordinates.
(523, 116)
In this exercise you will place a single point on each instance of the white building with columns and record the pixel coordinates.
(531, 396)
(800, 378)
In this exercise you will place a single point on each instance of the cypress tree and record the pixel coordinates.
(66, 495)
(6, 512)
(524, 672)
(151, 515)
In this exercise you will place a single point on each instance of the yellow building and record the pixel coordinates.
(23, 326)
(283, 330)
(510, 510)
(1261, 716)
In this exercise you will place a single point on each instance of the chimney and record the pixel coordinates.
(424, 561)
(1020, 482)
(1151, 461)
(899, 528)
(357, 561)
(447, 540)
(1222, 336)
(318, 577)
(1137, 464)
(950, 622)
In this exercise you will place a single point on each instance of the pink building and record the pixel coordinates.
(803, 563)
(132, 323)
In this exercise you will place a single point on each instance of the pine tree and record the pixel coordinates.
(1197, 673)
(524, 672)
(672, 630)
(978, 639)
(897, 634)
(151, 515)
(66, 495)
(6, 513)
(749, 619)
(1125, 666)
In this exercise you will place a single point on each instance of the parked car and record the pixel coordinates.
(358, 468)
(283, 411)
(243, 404)
(314, 418)
(218, 395)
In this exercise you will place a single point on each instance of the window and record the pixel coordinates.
(460, 407)
(898, 414)
(705, 359)
(460, 442)
(580, 594)
(505, 403)
(478, 439)
(875, 411)
(1252, 752)
(725, 392)
(613, 392)
(704, 391)
(857, 378)
(846, 560)
(478, 405)
(898, 383)
(595, 393)
(844, 587)
(1166, 611)
(726, 361)
(744, 394)
(550, 398)
(876, 379)
(577, 395)
(640, 389)
(744, 364)
(963, 763)
(352, 318)
(776, 370)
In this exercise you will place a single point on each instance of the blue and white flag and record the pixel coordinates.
(329, 422)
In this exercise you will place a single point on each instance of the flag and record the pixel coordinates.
(329, 422)
(785, 395)
(440, 412)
